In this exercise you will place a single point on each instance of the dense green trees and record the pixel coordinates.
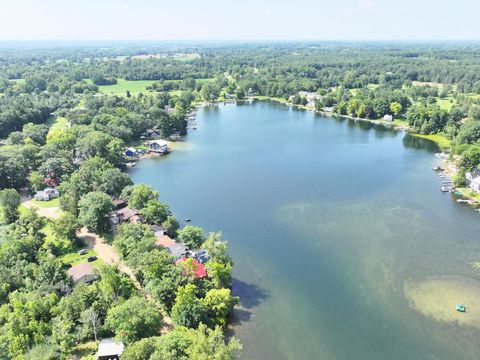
(94, 208)
(133, 319)
(191, 236)
(9, 203)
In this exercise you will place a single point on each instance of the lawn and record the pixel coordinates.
(468, 193)
(59, 123)
(46, 204)
(120, 88)
(446, 103)
(440, 140)
(74, 258)
(86, 351)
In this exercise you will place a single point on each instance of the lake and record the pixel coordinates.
(344, 247)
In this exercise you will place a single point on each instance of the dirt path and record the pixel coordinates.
(50, 212)
(107, 253)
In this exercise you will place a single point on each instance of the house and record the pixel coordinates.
(473, 180)
(152, 133)
(159, 146)
(192, 267)
(82, 273)
(131, 152)
(388, 117)
(200, 255)
(46, 194)
(119, 203)
(165, 241)
(177, 250)
(110, 349)
(126, 215)
(158, 230)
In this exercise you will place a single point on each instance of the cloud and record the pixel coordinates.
(367, 4)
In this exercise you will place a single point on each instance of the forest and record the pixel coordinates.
(61, 127)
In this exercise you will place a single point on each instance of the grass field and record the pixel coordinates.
(440, 140)
(74, 258)
(446, 103)
(46, 204)
(120, 88)
(59, 123)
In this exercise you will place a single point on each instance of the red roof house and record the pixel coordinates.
(192, 267)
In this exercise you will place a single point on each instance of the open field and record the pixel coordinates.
(59, 123)
(134, 86)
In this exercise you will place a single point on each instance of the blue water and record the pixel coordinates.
(326, 220)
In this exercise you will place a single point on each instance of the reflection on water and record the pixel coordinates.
(337, 229)
(415, 142)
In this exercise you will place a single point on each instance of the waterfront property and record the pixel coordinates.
(131, 152)
(158, 146)
(388, 118)
(191, 266)
(473, 180)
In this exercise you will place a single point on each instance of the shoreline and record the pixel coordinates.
(449, 168)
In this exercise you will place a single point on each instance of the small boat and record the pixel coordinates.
(446, 189)
(188, 220)
(460, 307)
(194, 128)
(462, 201)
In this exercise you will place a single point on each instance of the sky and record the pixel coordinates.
(239, 20)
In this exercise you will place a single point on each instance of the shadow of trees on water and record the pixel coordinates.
(250, 296)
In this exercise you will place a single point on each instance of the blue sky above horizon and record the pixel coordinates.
(239, 20)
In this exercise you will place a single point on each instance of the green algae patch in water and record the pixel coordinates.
(436, 298)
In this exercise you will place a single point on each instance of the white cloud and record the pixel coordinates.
(367, 4)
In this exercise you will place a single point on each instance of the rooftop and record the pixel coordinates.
(110, 347)
(165, 241)
(78, 271)
(197, 269)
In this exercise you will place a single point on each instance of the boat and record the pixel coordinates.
(194, 128)
(446, 189)
(462, 201)
(460, 307)
(188, 220)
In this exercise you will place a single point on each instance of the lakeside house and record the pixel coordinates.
(192, 267)
(131, 152)
(388, 117)
(110, 349)
(46, 194)
(82, 273)
(200, 255)
(126, 214)
(152, 133)
(165, 241)
(158, 146)
(119, 203)
(473, 180)
(177, 250)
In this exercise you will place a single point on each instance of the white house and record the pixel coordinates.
(473, 180)
(46, 194)
(159, 146)
(110, 349)
(388, 117)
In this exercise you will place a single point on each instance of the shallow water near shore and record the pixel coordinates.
(344, 247)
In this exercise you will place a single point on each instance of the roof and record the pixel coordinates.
(177, 250)
(158, 142)
(165, 241)
(109, 347)
(197, 269)
(132, 149)
(126, 213)
(79, 271)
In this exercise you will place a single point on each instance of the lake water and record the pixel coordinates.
(344, 247)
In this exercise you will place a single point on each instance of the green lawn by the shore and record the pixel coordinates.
(470, 194)
(438, 139)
